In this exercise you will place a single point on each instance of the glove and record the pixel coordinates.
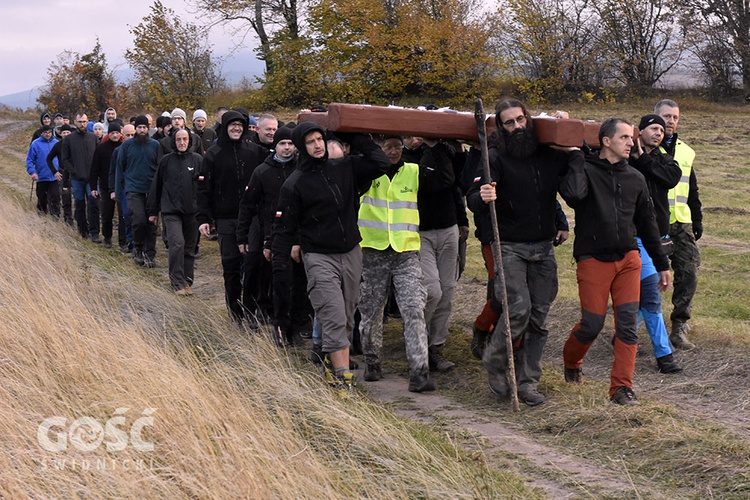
(697, 230)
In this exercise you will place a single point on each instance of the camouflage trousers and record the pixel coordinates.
(379, 269)
(686, 260)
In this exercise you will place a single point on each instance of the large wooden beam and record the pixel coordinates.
(358, 118)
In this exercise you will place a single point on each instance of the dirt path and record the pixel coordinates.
(712, 388)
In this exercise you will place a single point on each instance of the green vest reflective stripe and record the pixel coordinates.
(678, 195)
(388, 212)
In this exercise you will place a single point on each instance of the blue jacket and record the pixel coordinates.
(36, 159)
(136, 165)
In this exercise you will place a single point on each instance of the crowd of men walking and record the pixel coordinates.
(317, 230)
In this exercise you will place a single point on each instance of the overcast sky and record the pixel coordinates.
(36, 31)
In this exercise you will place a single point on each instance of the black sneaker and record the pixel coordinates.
(107, 242)
(96, 239)
(373, 372)
(148, 261)
(574, 375)
(667, 364)
(138, 257)
(624, 396)
(421, 382)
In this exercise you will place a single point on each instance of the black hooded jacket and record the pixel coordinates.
(261, 197)
(526, 192)
(38, 132)
(320, 200)
(99, 173)
(173, 189)
(226, 170)
(662, 173)
(612, 205)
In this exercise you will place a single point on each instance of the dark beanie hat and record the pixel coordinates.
(141, 120)
(281, 134)
(114, 127)
(649, 120)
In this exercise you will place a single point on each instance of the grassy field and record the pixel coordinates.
(85, 333)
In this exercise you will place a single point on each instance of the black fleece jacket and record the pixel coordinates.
(261, 197)
(526, 193)
(174, 186)
(662, 173)
(320, 200)
(99, 174)
(612, 205)
(226, 170)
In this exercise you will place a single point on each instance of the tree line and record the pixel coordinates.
(449, 51)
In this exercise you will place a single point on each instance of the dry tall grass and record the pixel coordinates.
(84, 334)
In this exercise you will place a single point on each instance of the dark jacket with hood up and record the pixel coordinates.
(612, 205)
(174, 188)
(226, 170)
(320, 200)
(38, 132)
(99, 174)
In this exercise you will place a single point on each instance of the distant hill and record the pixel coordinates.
(235, 68)
(23, 100)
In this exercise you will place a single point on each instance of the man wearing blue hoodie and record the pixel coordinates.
(47, 188)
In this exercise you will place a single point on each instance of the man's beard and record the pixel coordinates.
(521, 143)
(141, 138)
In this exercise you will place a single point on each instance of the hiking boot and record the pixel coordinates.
(181, 293)
(437, 361)
(96, 239)
(188, 289)
(498, 384)
(679, 338)
(316, 354)
(373, 372)
(574, 375)
(532, 397)
(138, 257)
(345, 384)
(148, 261)
(107, 242)
(667, 364)
(624, 396)
(125, 249)
(327, 369)
(420, 381)
(478, 342)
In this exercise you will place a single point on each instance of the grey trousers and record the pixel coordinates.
(182, 233)
(333, 286)
(530, 271)
(439, 258)
(379, 268)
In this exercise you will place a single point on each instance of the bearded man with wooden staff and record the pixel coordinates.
(524, 182)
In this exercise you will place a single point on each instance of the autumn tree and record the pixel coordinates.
(79, 83)
(553, 46)
(722, 28)
(273, 22)
(173, 60)
(384, 50)
(643, 36)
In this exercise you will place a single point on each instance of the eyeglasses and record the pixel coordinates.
(520, 120)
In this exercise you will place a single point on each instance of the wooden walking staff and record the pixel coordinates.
(497, 255)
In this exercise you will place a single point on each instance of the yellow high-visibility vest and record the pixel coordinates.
(679, 211)
(388, 212)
